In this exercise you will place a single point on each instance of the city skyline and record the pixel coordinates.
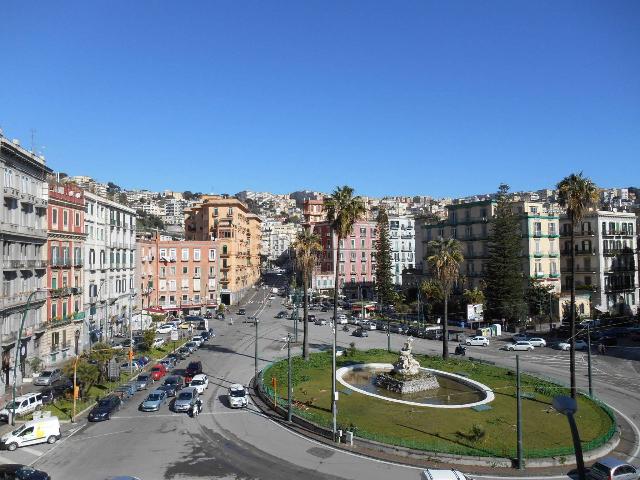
(383, 93)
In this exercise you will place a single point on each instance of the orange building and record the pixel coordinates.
(177, 275)
(237, 232)
(65, 245)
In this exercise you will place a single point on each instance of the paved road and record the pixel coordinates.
(225, 443)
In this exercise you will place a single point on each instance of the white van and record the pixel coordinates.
(27, 403)
(46, 429)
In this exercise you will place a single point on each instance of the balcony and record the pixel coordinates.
(22, 298)
(196, 275)
(580, 251)
(554, 254)
(554, 275)
(537, 233)
(578, 233)
(28, 198)
(620, 288)
(11, 192)
(60, 262)
(78, 262)
(538, 254)
(60, 292)
(41, 202)
(613, 232)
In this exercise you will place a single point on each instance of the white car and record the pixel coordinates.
(200, 382)
(537, 342)
(519, 346)
(580, 345)
(238, 397)
(197, 340)
(342, 319)
(166, 328)
(24, 404)
(158, 342)
(478, 340)
(367, 325)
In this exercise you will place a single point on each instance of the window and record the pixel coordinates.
(537, 228)
(163, 253)
(362, 243)
(537, 243)
(363, 232)
(353, 243)
(65, 218)
(196, 254)
(54, 216)
(212, 254)
(185, 254)
(185, 270)
(77, 224)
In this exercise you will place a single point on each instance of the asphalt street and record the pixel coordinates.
(244, 444)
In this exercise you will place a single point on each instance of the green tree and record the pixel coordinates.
(101, 353)
(384, 279)
(444, 263)
(504, 290)
(343, 210)
(307, 247)
(473, 297)
(87, 374)
(148, 336)
(577, 194)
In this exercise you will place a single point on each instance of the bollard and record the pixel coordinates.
(350, 438)
(339, 436)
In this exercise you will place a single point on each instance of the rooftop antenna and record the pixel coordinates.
(33, 140)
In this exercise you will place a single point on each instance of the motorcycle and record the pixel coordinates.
(461, 350)
(345, 328)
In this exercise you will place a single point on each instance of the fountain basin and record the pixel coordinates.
(455, 390)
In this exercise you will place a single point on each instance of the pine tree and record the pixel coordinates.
(504, 291)
(384, 281)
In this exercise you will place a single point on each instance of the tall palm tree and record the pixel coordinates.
(577, 194)
(307, 247)
(444, 263)
(342, 211)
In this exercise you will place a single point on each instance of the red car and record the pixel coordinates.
(158, 371)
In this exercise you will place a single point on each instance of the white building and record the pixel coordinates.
(606, 260)
(23, 236)
(402, 236)
(152, 208)
(277, 238)
(109, 276)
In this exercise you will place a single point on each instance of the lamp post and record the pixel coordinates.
(519, 416)
(75, 377)
(256, 321)
(568, 406)
(289, 386)
(589, 360)
(18, 348)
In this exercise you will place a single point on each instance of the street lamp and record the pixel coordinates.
(568, 406)
(289, 386)
(256, 321)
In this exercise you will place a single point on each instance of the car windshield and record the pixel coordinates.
(237, 393)
(143, 378)
(197, 382)
(105, 402)
(185, 396)
(45, 374)
(154, 397)
(600, 468)
(18, 430)
(155, 369)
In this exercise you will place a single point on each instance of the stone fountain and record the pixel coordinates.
(406, 376)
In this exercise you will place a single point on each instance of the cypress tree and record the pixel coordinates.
(504, 291)
(384, 280)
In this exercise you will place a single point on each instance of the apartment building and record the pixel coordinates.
(606, 260)
(109, 262)
(356, 265)
(65, 271)
(238, 234)
(313, 211)
(23, 235)
(177, 275)
(470, 224)
(402, 236)
(277, 237)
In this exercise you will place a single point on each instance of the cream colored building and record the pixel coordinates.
(238, 234)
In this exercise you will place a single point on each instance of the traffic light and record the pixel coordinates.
(130, 354)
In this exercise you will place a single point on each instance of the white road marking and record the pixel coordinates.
(32, 451)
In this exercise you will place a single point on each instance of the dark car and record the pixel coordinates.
(360, 333)
(173, 357)
(608, 340)
(281, 314)
(205, 335)
(183, 352)
(242, 311)
(105, 408)
(311, 318)
(193, 369)
(173, 379)
(169, 389)
(22, 472)
(323, 309)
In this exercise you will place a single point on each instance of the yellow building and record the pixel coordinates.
(237, 233)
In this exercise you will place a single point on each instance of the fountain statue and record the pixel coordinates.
(406, 376)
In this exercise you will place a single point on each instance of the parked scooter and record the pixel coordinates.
(461, 350)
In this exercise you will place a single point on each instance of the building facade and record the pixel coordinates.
(109, 263)
(23, 236)
(402, 236)
(277, 237)
(470, 224)
(177, 275)
(606, 260)
(238, 234)
(65, 272)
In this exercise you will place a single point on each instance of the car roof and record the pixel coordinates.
(236, 386)
(611, 462)
(157, 390)
(189, 389)
(200, 376)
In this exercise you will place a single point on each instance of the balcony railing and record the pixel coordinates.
(21, 298)
(612, 232)
(11, 192)
(620, 288)
(580, 251)
(578, 233)
(60, 262)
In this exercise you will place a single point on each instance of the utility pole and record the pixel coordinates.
(589, 360)
(289, 386)
(519, 415)
(256, 321)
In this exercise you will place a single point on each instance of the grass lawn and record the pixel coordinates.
(545, 432)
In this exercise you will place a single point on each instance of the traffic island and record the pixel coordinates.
(473, 436)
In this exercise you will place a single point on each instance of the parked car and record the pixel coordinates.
(342, 319)
(478, 340)
(24, 404)
(158, 371)
(242, 311)
(193, 369)
(168, 363)
(396, 328)
(200, 382)
(126, 391)
(47, 377)
(154, 401)
(311, 318)
(185, 399)
(192, 346)
(174, 380)
(368, 325)
(198, 340)
(19, 471)
(537, 342)
(519, 346)
(238, 397)
(105, 408)
(608, 341)
(359, 332)
(57, 390)
(608, 468)
(126, 366)
(320, 321)
(142, 360)
(170, 389)
(281, 314)
(158, 342)
(205, 335)
(580, 345)
(183, 352)
(143, 381)
(166, 328)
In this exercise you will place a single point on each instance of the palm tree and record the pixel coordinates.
(577, 194)
(342, 210)
(307, 247)
(444, 263)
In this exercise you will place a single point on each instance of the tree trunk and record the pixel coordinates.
(335, 326)
(305, 310)
(445, 328)
(572, 318)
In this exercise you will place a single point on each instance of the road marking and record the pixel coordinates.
(57, 444)
(170, 415)
(32, 451)
(105, 435)
(5, 460)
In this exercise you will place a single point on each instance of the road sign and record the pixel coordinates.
(174, 335)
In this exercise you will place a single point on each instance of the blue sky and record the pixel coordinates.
(440, 98)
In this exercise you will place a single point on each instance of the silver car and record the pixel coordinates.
(154, 401)
(611, 468)
(48, 377)
(185, 399)
(143, 381)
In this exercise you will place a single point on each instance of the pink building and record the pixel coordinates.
(177, 275)
(356, 265)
